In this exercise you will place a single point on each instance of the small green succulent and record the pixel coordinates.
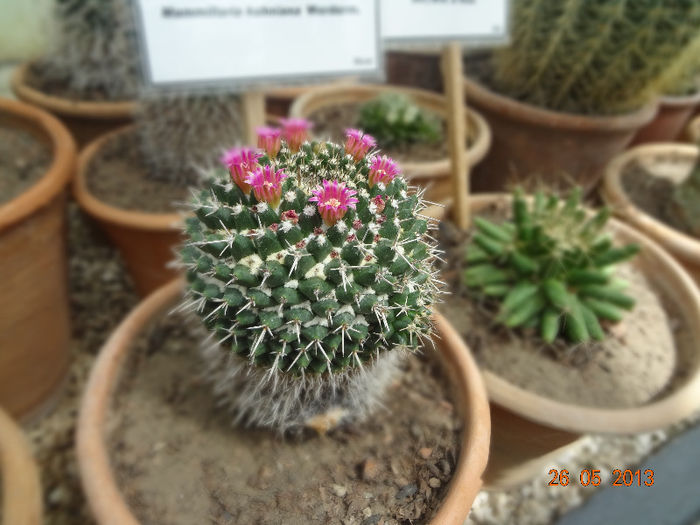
(550, 268)
(395, 119)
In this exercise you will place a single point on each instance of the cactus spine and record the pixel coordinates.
(598, 56)
(549, 268)
(313, 271)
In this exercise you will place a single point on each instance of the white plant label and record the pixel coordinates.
(438, 21)
(242, 44)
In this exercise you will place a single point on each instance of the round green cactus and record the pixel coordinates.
(549, 268)
(308, 263)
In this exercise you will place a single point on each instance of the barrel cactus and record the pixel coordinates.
(310, 264)
(598, 56)
(549, 268)
(395, 119)
(684, 205)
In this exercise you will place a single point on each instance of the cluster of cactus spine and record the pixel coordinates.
(179, 133)
(96, 48)
(394, 119)
(311, 267)
(549, 268)
(599, 56)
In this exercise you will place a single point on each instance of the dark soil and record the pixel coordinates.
(642, 358)
(331, 122)
(654, 195)
(61, 87)
(23, 161)
(178, 460)
(119, 175)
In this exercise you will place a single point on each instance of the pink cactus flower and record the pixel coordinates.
(240, 162)
(269, 139)
(295, 131)
(333, 200)
(382, 169)
(358, 143)
(267, 184)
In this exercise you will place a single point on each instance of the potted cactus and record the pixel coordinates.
(37, 160)
(130, 180)
(309, 265)
(575, 84)
(407, 123)
(91, 76)
(573, 331)
(680, 98)
(656, 188)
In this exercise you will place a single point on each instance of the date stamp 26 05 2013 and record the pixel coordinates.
(592, 478)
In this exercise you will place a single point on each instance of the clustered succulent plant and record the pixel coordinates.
(549, 268)
(600, 56)
(96, 50)
(310, 264)
(394, 119)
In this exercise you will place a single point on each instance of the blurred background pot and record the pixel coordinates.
(34, 315)
(145, 240)
(21, 490)
(85, 119)
(435, 175)
(670, 121)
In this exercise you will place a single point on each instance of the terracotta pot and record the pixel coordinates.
(435, 175)
(145, 240)
(670, 120)
(21, 490)
(105, 498)
(279, 100)
(669, 160)
(559, 149)
(417, 69)
(529, 431)
(693, 130)
(84, 119)
(34, 317)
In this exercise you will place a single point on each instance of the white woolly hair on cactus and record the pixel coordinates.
(95, 48)
(181, 132)
(311, 266)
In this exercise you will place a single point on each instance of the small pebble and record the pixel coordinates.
(372, 520)
(406, 491)
(340, 490)
(425, 452)
(366, 512)
(369, 469)
(434, 482)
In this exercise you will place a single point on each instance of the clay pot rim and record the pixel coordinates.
(318, 97)
(103, 110)
(582, 419)
(106, 212)
(21, 489)
(694, 129)
(106, 501)
(680, 100)
(614, 194)
(57, 175)
(557, 119)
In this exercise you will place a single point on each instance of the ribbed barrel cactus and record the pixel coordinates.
(595, 56)
(550, 268)
(310, 264)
